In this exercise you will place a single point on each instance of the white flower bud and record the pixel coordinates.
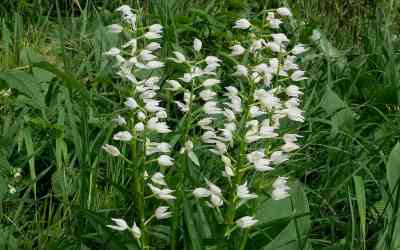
(141, 116)
(216, 201)
(136, 231)
(197, 44)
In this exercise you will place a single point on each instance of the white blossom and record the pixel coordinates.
(123, 136)
(280, 38)
(241, 70)
(156, 28)
(112, 52)
(153, 46)
(162, 213)
(237, 50)
(154, 65)
(283, 11)
(207, 94)
(162, 194)
(298, 75)
(211, 60)
(243, 24)
(211, 108)
(280, 188)
(298, 49)
(112, 150)
(201, 192)
(216, 200)
(293, 91)
(289, 147)
(121, 224)
(158, 178)
(165, 160)
(246, 222)
(152, 35)
(175, 85)
(242, 191)
(180, 58)
(210, 82)
(131, 103)
(278, 157)
(119, 120)
(139, 127)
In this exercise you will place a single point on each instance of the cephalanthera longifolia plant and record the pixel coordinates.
(237, 115)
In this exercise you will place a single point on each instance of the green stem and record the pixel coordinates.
(241, 163)
(181, 172)
(138, 170)
(244, 240)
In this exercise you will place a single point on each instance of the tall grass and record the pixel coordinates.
(53, 134)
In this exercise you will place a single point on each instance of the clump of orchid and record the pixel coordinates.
(142, 122)
(240, 116)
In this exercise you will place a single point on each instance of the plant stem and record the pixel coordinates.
(244, 240)
(241, 162)
(181, 172)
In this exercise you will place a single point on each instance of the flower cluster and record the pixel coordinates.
(240, 116)
(143, 118)
(252, 114)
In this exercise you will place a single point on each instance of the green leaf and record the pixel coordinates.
(67, 78)
(42, 75)
(343, 120)
(361, 203)
(194, 236)
(331, 102)
(3, 187)
(29, 56)
(27, 85)
(327, 48)
(193, 158)
(30, 151)
(393, 167)
(294, 234)
(393, 177)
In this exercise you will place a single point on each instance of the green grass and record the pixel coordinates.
(69, 189)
